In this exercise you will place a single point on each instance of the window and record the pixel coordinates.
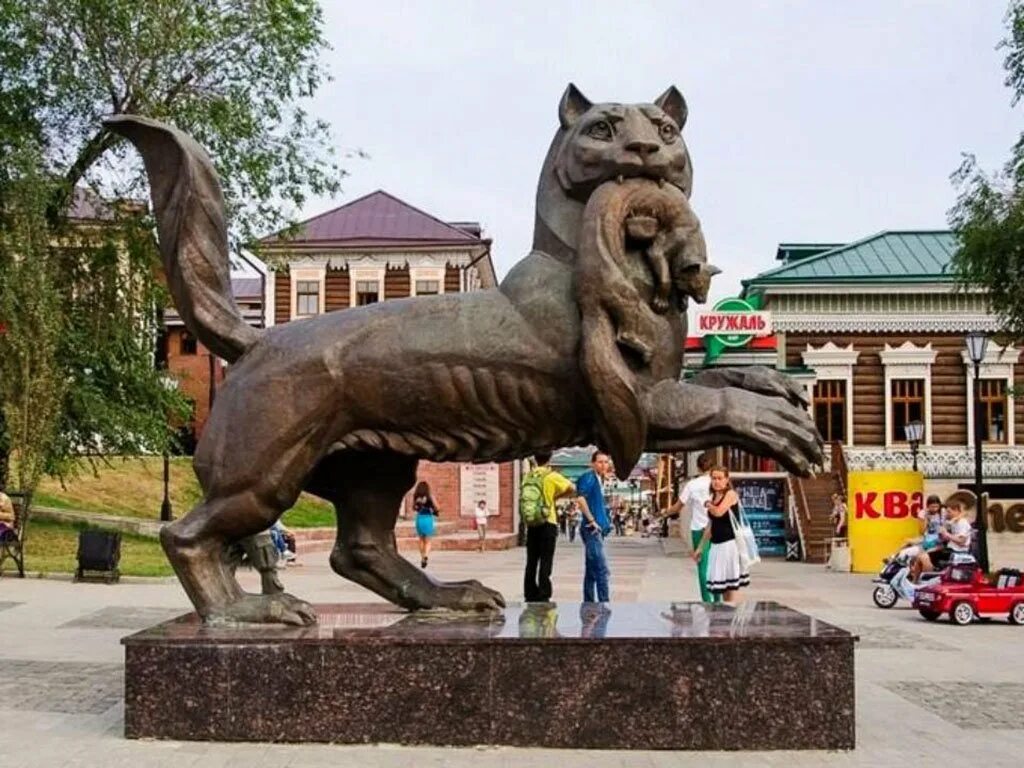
(307, 297)
(992, 394)
(907, 403)
(428, 287)
(830, 409)
(188, 345)
(367, 292)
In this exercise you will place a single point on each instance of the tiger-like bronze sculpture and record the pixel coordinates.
(345, 404)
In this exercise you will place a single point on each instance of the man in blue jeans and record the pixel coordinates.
(594, 526)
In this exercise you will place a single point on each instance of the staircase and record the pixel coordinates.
(814, 504)
(813, 496)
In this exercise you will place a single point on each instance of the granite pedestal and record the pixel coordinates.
(627, 676)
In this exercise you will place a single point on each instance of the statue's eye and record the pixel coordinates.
(601, 130)
(668, 132)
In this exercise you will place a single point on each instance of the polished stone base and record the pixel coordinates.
(627, 676)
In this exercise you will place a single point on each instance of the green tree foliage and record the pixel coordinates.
(988, 218)
(33, 384)
(233, 73)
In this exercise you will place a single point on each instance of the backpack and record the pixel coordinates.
(532, 509)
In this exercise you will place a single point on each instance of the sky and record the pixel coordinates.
(808, 121)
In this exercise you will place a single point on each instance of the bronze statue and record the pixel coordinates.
(345, 404)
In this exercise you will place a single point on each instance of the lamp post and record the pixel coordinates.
(166, 513)
(977, 342)
(914, 432)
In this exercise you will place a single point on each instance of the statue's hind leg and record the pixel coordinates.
(240, 501)
(367, 489)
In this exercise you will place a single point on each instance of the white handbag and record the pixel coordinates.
(746, 542)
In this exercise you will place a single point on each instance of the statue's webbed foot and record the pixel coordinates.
(280, 608)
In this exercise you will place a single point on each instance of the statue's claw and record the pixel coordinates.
(756, 378)
(460, 596)
(681, 417)
(280, 608)
(788, 434)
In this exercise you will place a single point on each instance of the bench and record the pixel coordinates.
(12, 542)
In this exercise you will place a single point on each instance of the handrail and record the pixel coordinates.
(840, 470)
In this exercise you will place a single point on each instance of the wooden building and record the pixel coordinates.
(876, 331)
(380, 248)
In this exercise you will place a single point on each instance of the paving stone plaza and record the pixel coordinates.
(924, 691)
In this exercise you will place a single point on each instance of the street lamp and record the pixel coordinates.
(166, 513)
(977, 342)
(914, 432)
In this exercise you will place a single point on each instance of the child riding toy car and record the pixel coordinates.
(969, 595)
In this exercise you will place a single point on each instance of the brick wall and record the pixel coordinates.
(193, 375)
(445, 484)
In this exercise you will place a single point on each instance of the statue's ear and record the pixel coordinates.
(572, 105)
(674, 105)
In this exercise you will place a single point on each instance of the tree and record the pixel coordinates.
(988, 218)
(234, 74)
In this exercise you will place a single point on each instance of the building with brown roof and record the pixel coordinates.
(379, 248)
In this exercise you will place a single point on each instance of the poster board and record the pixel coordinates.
(764, 503)
(479, 481)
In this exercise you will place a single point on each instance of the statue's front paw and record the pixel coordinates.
(759, 379)
(776, 428)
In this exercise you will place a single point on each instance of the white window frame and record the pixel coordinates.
(359, 274)
(426, 273)
(295, 274)
(908, 361)
(998, 364)
(831, 362)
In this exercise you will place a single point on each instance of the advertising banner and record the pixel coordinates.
(881, 514)
(764, 504)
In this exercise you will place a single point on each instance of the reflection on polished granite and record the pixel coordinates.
(549, 621)
(370, 673)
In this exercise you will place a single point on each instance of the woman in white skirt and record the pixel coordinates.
(725, 574)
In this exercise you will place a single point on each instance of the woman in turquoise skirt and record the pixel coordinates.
(426, 511)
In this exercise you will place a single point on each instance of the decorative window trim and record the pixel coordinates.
(426, 273)
(908, 361)
(357, 274)
(832, 362)
(295, 274)
(998, 364)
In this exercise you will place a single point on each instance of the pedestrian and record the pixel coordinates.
(838, 514)
(596, 525)
(726, 573)
(693, 498)
(426, 510)
(573, 521)
(537, 495)
(480, 514)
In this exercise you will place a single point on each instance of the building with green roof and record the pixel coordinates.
(876, 329)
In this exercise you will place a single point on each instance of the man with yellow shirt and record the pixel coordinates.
(542, 525)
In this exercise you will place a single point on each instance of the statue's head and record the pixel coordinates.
(599, 142)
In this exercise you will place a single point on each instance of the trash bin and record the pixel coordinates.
(99, 555)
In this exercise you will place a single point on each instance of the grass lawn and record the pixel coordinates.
(133, 487)
(52, 548)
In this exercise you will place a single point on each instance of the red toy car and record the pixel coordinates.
(966, 593)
